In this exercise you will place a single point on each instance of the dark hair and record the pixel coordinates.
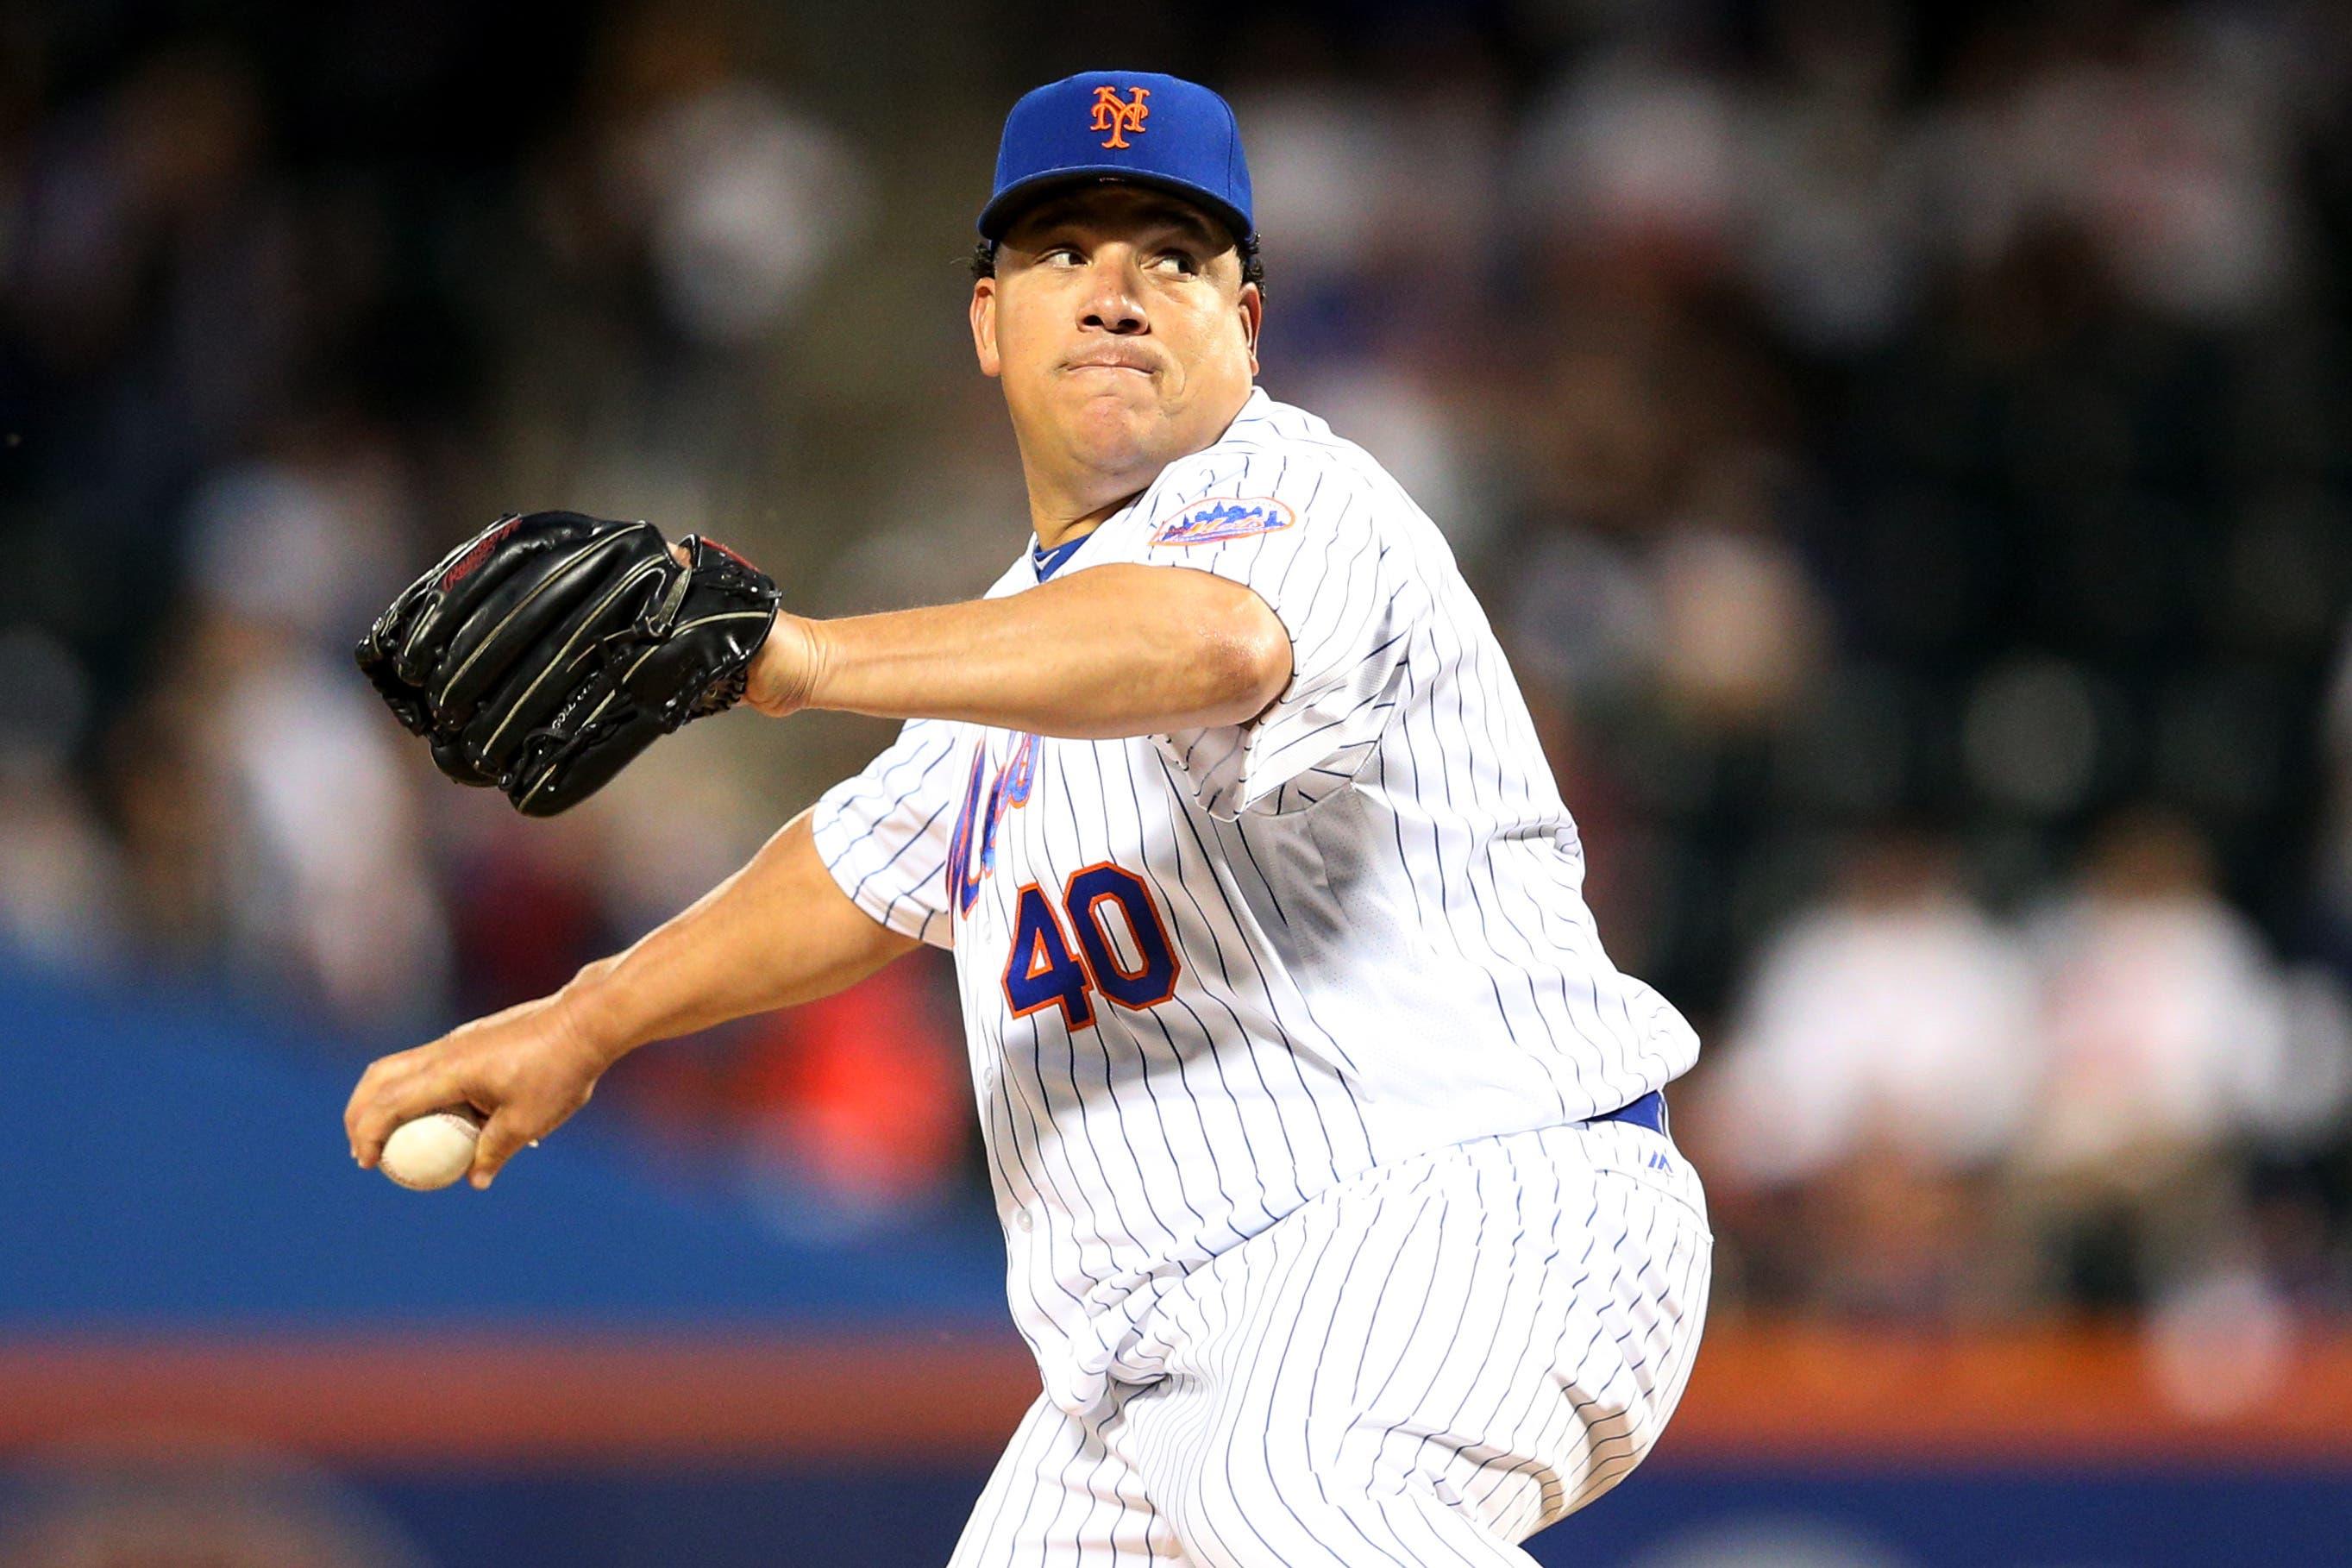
(982, 260)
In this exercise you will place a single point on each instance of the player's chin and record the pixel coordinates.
(1113, 427)
(1093, 393)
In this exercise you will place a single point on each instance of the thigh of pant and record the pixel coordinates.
(1430, 1363)
(1063, 1497)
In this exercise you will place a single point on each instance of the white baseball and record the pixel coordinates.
(432, 1150)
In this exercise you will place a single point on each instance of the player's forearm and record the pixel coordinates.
(778, 933)
(1117, 650)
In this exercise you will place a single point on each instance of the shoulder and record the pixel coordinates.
(1279, 446)
(1277, 469)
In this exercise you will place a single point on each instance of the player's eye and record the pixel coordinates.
(1060, 255)
(1183, 263)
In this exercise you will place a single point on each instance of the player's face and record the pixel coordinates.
(1123, 334)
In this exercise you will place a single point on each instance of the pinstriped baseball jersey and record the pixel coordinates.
(1206, 975)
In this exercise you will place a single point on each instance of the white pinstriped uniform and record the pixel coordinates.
(1285, 1037)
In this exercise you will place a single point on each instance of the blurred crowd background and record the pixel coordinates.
(1908, 457)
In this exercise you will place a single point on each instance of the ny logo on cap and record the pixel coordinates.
(1118, 118)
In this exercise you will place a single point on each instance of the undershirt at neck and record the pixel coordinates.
(1049, 561)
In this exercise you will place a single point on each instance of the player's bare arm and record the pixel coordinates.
(1119, 651)
(777, 932)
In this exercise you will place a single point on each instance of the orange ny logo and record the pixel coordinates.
(1118, 118)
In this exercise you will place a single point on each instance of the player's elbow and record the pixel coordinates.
(1243, 660)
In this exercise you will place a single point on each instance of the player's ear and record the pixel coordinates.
(984, 325)
(1252, 305)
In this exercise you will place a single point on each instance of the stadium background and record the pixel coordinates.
(1908, 453)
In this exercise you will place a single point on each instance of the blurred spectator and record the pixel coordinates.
(1834, 181)
(2174, 1045)
(301, 757)
(65, 896)
(1895, 1015)
(849, 1116)
(1636, 152)
(744, 200)
(2166, 1031)
(1884, 1058)
(1741, 623)
(858, 1105)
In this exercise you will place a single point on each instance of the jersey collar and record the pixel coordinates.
(1048, 561)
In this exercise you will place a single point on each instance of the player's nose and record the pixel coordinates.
(1114, 301)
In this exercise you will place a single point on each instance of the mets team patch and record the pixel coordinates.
(1212, 522)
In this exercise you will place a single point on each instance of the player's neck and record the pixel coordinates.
(1066, 500)
(1056, 526)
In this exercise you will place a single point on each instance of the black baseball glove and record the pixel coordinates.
(546, 652)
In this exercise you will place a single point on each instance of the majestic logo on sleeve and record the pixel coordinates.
(1118, 118)
(1209, 521)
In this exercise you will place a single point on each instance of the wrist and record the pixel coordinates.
(586, 1012)
(788, 670)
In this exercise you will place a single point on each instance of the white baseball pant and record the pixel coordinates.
(1425, 1365)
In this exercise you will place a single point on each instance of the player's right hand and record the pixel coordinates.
(526, 1069)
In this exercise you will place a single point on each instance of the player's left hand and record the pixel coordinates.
(542, 655)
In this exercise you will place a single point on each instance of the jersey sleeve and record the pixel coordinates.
(883, 833)
(1323, 549)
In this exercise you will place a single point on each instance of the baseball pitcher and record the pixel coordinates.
(1338, 1204)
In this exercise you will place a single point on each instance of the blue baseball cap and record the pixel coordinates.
(1142, 126)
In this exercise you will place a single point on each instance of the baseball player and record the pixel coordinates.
(1339, 1204)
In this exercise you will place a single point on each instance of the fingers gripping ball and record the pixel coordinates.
(433, 1150)
(542, 655)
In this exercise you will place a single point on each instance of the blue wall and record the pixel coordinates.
(179, 1159)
